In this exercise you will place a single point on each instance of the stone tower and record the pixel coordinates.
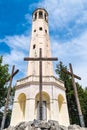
(26, 101)
(40, 39)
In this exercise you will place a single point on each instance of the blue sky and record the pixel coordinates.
(67, 28)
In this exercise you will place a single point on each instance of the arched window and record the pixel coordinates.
(44, 110)
(45, 106)
(40, 14)
(45, 16)
(35, 16)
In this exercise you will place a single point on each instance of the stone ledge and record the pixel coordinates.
(47, 80)
(43, 125)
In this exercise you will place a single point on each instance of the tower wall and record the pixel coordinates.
(52, 90)
(26, 101)
(40, 39)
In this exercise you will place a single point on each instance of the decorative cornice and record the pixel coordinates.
(34, 80)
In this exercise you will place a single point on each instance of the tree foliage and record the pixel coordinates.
(4, 75)
(72, 107)
(3, 78)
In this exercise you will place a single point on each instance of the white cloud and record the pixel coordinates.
(72, 16)
(61, 12)
(15, 58)
(74, 52)
(19, 48)
(18, 42)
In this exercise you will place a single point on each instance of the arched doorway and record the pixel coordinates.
(45, 106)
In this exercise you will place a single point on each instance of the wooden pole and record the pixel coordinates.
(8, 95)
(40, 59)
(77, 99)
(40, 86)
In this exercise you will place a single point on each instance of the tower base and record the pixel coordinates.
(26, 101)
(41, 125)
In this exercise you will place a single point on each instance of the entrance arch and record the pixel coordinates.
(46, 106)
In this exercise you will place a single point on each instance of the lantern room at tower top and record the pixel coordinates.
(40, 14)
(26, 100)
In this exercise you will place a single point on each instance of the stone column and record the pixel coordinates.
(64, 117)
(16, 113)
(31, 109)
(54, 109)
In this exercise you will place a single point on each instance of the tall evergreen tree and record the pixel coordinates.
(84, 105)
(73, 114)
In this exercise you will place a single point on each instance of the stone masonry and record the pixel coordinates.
(43, 125)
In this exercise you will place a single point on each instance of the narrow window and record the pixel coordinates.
(35, 30)
(40, 28)
(45, 31)
(40, 14)
(35, 16)
(46, 18)
(34, 46)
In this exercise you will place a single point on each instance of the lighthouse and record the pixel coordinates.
(26, 100)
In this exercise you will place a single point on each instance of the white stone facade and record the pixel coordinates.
(25, 107)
